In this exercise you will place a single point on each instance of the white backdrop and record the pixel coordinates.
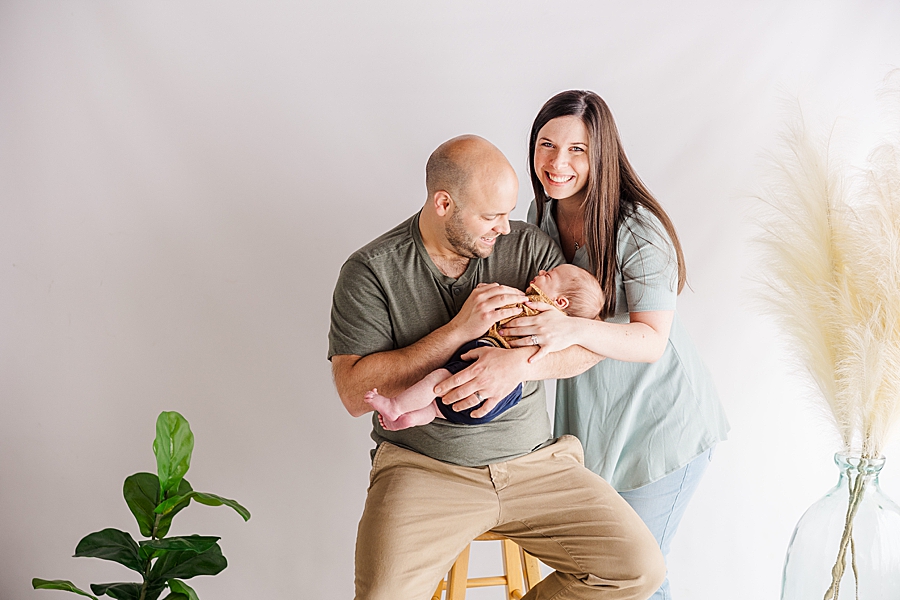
(181, 181)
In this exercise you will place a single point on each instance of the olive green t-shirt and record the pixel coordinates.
(390, 294)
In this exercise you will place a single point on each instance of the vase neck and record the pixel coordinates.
(852, 465)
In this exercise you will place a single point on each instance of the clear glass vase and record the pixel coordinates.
(869, 534)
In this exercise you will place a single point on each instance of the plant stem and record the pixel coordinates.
(857, 490)
(853, 562)
(149, 558)
(144, 584)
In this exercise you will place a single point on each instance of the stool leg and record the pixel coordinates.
(459, 574)
(512, 564)
(440, 588)
(532, 570)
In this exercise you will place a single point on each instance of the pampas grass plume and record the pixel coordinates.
(802, 263)
(831, 264)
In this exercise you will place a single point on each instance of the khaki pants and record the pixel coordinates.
(420, 513)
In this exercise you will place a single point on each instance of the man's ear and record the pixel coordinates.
(562, 302)
(442, 202)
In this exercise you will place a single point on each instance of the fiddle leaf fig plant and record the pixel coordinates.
(162, 562)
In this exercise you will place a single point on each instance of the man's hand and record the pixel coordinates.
(495, 373)
(483, 308)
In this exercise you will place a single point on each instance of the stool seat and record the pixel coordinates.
(521, 571)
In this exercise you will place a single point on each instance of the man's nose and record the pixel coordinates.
(503, 226)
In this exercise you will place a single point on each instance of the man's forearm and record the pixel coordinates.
(391, 371)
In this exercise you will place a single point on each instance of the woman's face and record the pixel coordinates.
(561, 158)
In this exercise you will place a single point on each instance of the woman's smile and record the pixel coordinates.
(559, 178)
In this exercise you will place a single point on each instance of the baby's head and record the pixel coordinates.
(572, 289)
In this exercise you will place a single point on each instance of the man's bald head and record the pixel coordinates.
(462, 162)
(472, 188)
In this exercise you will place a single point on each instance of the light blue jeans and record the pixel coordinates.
(661, 505)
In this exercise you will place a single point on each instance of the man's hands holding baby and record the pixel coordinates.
(495, 373)
(483, 308)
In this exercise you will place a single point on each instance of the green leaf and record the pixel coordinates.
(141, 492)
(111, 544)
(174, 596)
(165, 521)
(204, 498)
(213, 500)
(59, 584)
(166, 507)
(181, 587)
(119, 591)
(173, 446)
(185, 564)
(189, 543)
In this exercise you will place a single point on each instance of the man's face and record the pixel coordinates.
(475, 223)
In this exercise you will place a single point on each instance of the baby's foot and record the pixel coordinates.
(389, 425)
(383, 404)
(406, 420)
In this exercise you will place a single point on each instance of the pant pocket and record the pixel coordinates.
(568, 446)
(376, 462)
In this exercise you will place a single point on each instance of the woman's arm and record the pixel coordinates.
(643, 339)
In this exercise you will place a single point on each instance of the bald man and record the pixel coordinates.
(402, 305)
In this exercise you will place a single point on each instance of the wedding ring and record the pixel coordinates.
(534, 341)
(480, 399)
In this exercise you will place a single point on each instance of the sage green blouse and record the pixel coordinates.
(639, 422)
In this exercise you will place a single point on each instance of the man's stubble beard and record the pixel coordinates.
(461, 240)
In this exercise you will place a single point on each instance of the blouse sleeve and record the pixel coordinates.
(532, 214)
(648, 264)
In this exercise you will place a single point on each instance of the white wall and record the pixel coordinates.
(181, 181)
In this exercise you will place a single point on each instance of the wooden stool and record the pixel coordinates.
(514, 558)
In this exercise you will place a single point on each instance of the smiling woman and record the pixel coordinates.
(653, 392)
(562, 165)
(561, 161)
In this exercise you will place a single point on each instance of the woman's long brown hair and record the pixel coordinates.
(614, 190)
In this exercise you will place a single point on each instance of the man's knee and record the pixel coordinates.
(648, 569)
(635, 571)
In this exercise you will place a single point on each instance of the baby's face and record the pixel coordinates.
(550, 282)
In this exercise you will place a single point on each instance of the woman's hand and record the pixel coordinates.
(551, 330)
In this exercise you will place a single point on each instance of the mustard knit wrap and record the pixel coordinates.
(536, 296)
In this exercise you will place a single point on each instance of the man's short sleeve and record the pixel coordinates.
(360, 321)
(540, 251)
